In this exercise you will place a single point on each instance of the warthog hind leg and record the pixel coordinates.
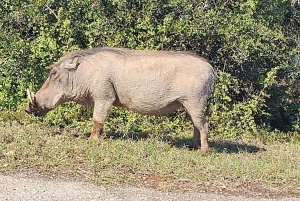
(197, 114)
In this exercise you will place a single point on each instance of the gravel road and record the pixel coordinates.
(33, 187)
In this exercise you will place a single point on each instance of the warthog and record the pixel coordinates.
(147, 82)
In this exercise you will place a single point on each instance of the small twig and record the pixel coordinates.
(52, 12)
(4, 60)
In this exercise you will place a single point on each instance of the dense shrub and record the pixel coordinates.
(253, 44)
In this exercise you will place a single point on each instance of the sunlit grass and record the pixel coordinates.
(163, 162)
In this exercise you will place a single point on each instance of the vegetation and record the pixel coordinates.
(253, 45)
(157, 161)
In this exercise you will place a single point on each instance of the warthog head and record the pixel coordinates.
(56, 90)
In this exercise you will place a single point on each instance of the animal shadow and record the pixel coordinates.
(229, 147)
(233, 147)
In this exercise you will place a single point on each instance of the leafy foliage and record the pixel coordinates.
(253, 44)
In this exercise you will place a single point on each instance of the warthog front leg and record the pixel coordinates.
(101, 111)
(97, 130)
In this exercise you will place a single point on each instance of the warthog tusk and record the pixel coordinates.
(29, 94)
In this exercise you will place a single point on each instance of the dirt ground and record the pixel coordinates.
(31, 186)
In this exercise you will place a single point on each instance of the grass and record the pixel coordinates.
(269, 168)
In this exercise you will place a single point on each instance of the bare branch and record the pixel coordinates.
(52, 12)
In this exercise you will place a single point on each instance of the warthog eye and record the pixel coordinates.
(53, 72)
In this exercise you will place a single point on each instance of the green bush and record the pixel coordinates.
(249, 42)
(284, 100)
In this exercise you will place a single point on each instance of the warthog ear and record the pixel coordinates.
(72, 63)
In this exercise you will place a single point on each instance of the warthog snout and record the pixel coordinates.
(34, 110)
(28, 109)
(32, 107)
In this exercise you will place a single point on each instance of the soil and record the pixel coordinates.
(35, 187)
